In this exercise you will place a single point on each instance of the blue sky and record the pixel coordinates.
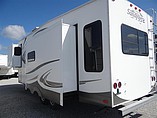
(19, 17)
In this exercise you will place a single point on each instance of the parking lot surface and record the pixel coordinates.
(15, 102)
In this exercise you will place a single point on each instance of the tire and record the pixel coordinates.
(54, 106)
(44, 101)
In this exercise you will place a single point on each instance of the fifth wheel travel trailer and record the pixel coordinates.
(3, 66)
(103, 51)
(6, 68)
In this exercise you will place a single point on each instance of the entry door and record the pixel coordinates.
(90, 56)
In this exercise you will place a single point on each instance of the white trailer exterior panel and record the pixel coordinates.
(102, 50)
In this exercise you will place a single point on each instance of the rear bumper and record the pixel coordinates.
(131, 106)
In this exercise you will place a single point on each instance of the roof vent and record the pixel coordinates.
(35, 29)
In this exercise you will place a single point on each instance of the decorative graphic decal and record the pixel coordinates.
(135, 14)
(40, 31)
(84, 82)
(42, 66)
(48, 83)
(34, 78)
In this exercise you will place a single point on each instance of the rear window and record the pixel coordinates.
(134, 41)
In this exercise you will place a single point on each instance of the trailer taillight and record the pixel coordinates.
(153, 78)
(115, 85)
(119, 84)
(131, 5)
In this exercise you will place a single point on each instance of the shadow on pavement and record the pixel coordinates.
(16, 102)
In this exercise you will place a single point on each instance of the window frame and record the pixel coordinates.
(137, 35)
(17, 51)
(31, 56)
(95, 46)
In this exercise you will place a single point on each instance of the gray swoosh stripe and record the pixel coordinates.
(42, 66)
(84, 82)
(40, 31)
(35, 78)
(54, 84)
(48, 83)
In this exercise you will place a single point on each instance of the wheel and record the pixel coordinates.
(54, 106)
(35, 93)
(44, 101)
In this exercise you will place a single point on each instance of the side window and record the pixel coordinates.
(134, 42)
(31, 56)
(17, 51)
(93, 54)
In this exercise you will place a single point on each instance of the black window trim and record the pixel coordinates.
(17, 51)
(31, 59)
(101, 45)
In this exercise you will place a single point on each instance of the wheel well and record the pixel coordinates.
(36, 91)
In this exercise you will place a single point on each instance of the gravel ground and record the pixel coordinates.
(17, 103)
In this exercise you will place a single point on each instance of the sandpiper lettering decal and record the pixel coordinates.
(136, 15)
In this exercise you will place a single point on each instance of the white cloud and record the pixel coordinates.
(14, 32)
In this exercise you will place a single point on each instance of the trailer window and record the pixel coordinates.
(93, 54)
(31, 56)
(134, 41)
(17, 51)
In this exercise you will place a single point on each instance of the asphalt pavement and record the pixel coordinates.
(15, 102)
